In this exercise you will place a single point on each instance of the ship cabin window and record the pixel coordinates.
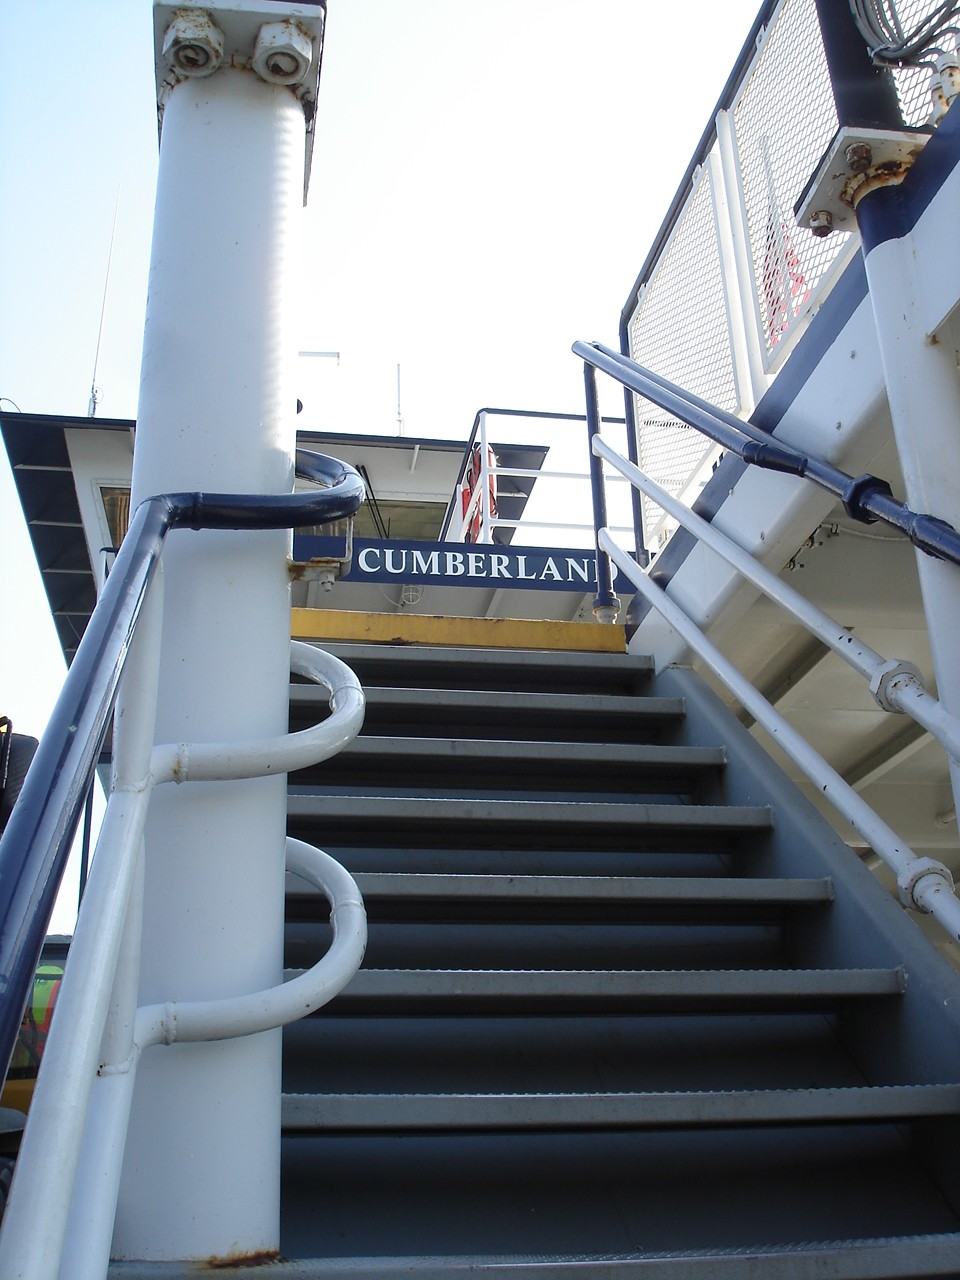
(116, 508)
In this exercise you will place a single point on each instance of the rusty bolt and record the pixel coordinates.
(859, 157)
(821, 223)
(283, 53)
(193, 43)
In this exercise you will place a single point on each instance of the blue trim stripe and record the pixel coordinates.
(890, 213)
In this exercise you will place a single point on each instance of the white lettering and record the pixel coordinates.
(398, 561)
(578, 567)
(426, 564)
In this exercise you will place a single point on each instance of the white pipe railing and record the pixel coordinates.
(923, 882)
(219, 761)
(72, 1148)
(50, 1152)
(896, 685)
(275, 1007)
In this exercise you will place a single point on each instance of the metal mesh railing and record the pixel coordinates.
(783, 119)
(913, 91)
(681, 326)
(733, 279)
(913, 83)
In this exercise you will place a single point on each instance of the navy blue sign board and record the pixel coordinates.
(455, 564)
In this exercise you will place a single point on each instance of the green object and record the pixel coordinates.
(35, 1027)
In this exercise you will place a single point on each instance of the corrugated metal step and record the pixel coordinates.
(652, 855)
(463, 990)
(399, 761)
(561, 1112)
(660, 890)
(480, 823)
(870, 1259)
(401, 896)
(502, 715)
(475, 668)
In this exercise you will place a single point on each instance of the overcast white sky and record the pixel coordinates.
(487, 180)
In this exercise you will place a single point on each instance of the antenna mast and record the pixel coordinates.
(95, 393)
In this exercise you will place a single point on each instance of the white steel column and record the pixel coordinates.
(923, 390)
(201, 1172)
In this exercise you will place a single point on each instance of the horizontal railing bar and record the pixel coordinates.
(866, 498)
(498, 521)
(532, 474)
(537, 413)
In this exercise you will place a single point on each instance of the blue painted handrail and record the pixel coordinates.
(866, 498)
(36, 843)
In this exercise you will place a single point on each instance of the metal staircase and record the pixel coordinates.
(629, 1007)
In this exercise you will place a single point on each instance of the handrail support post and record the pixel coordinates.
(606, 606)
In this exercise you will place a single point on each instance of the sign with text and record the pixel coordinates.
(455, 564)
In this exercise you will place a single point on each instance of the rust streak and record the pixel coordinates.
(234, 1261)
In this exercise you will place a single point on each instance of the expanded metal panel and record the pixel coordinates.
(913, 90)
(681, 331)
(783, 120)
(913, 83)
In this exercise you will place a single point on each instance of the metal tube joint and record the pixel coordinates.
(911, 878)
(894, 676)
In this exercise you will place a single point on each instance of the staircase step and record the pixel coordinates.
(507, 702)
(463, 990)
(483, 762)
(477, 668)
(652, 1052)
(480, 823)
(661, 890)
(502, 715)
(560, 1112)
(868, 1259)
(405, 896)
(533, 941)
(654, 856)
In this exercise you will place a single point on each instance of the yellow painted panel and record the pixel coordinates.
(486, 633)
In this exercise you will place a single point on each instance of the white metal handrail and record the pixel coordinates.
(924, 883)
(896, 685)
(72, 1149)
(219, 761)
(263, 1010)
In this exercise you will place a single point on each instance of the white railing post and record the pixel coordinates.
(201, 1175)
(734, 242)
(486, 514)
